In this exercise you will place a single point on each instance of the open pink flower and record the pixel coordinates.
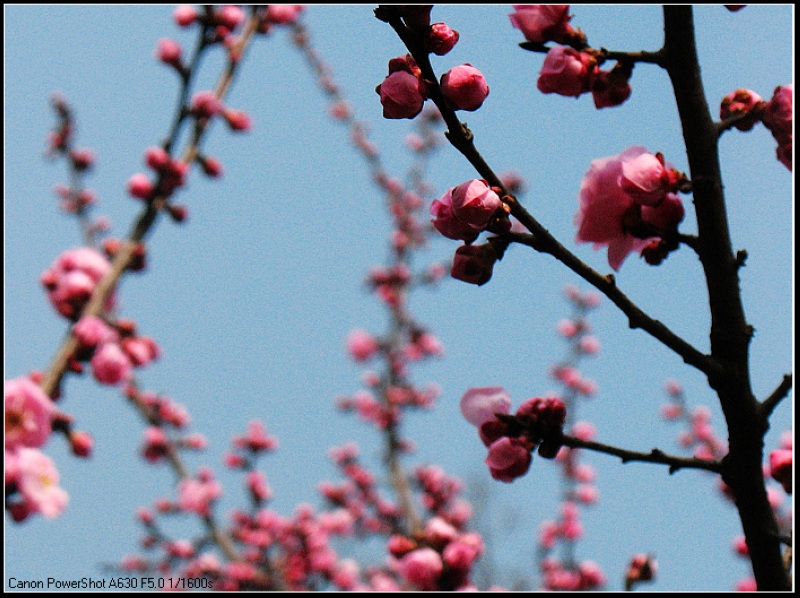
(567, 72)
(479, 405)
(778, 113)
(645, 177)
(611, 195)
(543, 22)
(197, 495)
(464, 87)
(603, 208)
(28, 413)
(37, 480)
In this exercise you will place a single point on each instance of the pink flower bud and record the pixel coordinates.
(82, 159)
(110, 365)
(156, 158)
(185, 15)
(474, 263)
(612, 88)
(567, 72)
(464, 87)
(139, 185)
(739, 103)
(543, 22)
(238, 120)
(508, 459)
(230, 16)
(92, 331)
(81, 443)
(440, 39)
(465, 210)
(402, 95)
(284, 14)
(205, 104)
(168, 51)
(361, 345)
(422, 568)
(780, 468)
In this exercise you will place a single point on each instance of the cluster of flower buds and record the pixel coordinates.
(404, 91)
(628, 203)
(439, 558)
(171, 174)
(538, 422)
(113, 350)
(72, 278)
(583, 576)
(570, 68)
(745, 108)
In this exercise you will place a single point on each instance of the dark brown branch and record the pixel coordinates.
(654, 456)
(781, 392)
(730, 333)
(462, 139)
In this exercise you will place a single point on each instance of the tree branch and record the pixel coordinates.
(462, 139)
(654, 456)
(768, 406)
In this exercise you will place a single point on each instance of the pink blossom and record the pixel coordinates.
(605, 209)
(81, 443)
(230, 16)
(256, 439)
(185, 15)
(422, 568)
(284, 14)
(259, 488)
(740, 103)
(589, 345)
(612, 88)
(168, 51)
(567, 72)
(644, 176)
(508, 458)
(37, 481)
(141, 350)
(474, 263)
(780, 468)
(402, 95)
(92, 331)
(464, 87)
(139, 185)
(197, 495)
(440, 39)
(778, 113)
(463, 551)
(543, 22)
(205, 104)
(361, 345)
(465, 210)
(28, 413)
(667, 215)
(238, 120)
(479, 405)
(110, 364)
(71, 279)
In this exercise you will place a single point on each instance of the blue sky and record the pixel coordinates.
(251, 300)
